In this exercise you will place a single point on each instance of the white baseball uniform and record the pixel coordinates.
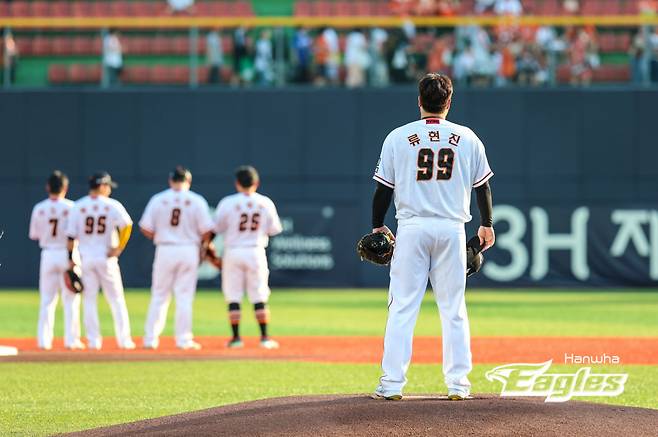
(48, 226)
(247, 222)
(93, 222)
(432, 165)
(178, 219)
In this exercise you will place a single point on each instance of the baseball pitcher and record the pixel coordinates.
(177, 220)
(102, 227)
(48, 227)
(430, 166)
(247, 220)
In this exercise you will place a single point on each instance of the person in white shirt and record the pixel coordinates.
(508, 7)
(247, 220)
(263, 59)
(112, 56)
(177, 220)
(102, 227)
(48, 226)
(431, 166)
(357, 59)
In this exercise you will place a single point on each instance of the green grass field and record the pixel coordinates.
(45, 398)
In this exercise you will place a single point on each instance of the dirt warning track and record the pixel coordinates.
(486, 350)
(358, 415)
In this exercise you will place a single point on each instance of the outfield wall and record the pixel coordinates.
(579, 163)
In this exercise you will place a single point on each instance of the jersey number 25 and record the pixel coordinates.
(244, 220)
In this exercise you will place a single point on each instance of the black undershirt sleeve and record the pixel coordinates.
(485, 204)
(381, 201)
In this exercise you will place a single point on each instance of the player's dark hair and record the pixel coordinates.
(435, 91)
(180, 174)
(57, 181)
(246, 176)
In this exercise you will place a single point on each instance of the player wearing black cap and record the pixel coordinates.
(102, 227)
(178, 221)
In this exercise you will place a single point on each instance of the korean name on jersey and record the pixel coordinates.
(432, 165)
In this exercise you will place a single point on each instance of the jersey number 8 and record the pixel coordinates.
(446, 158)
(175, 217)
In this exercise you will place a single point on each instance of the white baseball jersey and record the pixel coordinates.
(49, 222)
(432, 164)
(93, 223)
(177, 217)
(247, 220)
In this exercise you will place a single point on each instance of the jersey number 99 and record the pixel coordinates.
(446, 158)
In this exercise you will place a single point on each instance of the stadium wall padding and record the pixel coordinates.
(576, 184)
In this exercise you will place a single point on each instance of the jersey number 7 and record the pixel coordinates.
(446, 158)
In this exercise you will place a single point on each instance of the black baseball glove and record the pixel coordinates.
(72, 280)
(376, 248)
(474, 257)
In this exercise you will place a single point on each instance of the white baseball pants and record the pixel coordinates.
(104, 273)
(425, 248)
(244, 269)
(54, 262)
(175, 269)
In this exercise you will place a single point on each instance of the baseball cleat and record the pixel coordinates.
(45, 348)
(380, 393)
(268, 343)
(189, 346)
(457, 395)
(76, 346)
(235, 343)
(129, 345)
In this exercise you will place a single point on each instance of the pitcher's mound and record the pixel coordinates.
(358, 415)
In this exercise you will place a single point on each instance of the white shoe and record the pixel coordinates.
(77, 345)
(190, 345)
(268, 343)
(153, 345)
(128, 345)
(46, 348)
(455, 394)
(94, 346)
(380, 393)
(235, 343)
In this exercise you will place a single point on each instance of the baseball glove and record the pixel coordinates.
(72, 280)
(210, 254)
(474, 257)
(376, 248)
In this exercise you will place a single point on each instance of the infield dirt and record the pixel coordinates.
(486, 350)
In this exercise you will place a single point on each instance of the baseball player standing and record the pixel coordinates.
(48, 226)
(430, 165)
(102, 227)
(177, 220)
(247, 220)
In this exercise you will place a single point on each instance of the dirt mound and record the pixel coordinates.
(358, 415)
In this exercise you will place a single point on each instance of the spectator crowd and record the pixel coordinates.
(508, 54)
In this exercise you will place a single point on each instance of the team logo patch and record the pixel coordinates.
(527, 379)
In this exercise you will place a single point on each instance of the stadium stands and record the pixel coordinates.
(80, 48)
(119, 8)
